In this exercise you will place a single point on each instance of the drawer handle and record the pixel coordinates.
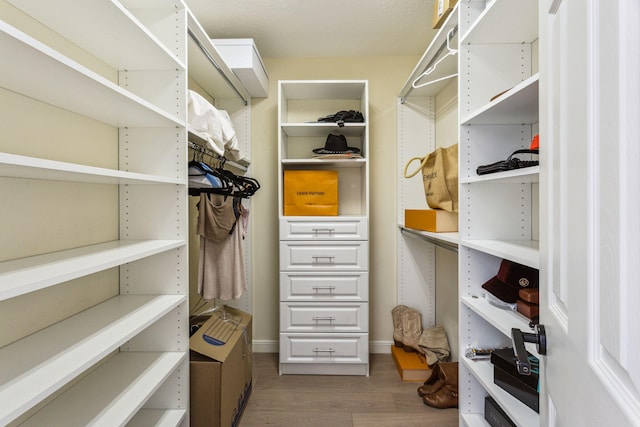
(323, 231)
(317, 258)
(330, 288)
(320, 350)
(327, 318)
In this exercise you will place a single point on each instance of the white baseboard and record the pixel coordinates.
(380, 347)
(273, 346)
(266, 346)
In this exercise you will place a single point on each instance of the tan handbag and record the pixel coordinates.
(440, 177)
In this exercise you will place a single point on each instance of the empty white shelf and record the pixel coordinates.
(521, 251)
(112, 393)
(496, 24)
(24, 275)
(323, 89)
(158, 418)
(16, 166)
(36, 366)
(517, 106)
(322, 129)
(520, 413)
(29, 67)
(85, 23)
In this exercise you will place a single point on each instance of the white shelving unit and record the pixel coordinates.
(416, 107)
(498, 212)
(324, 262)
(121, 352)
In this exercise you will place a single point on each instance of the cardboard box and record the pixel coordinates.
(310, 193)
(242, 56)
(434, 220)
(441, 10)
(221, 369)
(411, 366)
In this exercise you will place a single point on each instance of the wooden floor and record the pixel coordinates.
(380, 400)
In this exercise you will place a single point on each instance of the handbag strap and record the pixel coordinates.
(523, 151)
(422, 160)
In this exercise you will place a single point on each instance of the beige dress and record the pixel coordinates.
(221, 226)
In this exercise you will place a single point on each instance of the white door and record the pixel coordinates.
(590, 221)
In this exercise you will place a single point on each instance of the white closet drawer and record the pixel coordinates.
(328, 317)
(331, 229)
(324, 348)
(311, 256)
(321, 286)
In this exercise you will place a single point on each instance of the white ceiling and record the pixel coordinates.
(320, 28)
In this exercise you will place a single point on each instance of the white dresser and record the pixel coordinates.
(324, 260)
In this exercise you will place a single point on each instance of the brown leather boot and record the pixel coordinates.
(411, 330)
(433, 383)
(396, 314)
(446, 397)
(446, 373)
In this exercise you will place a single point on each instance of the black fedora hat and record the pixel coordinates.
(336, 144)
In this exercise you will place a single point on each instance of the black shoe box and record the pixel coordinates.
(518, 389)
(522, 387)
(505, 360)
(494, 414)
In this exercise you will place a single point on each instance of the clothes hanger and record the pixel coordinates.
(244, 186)
(431, 69)
(215, 181)
(223, 181)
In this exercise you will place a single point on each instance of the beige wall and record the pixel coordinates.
(386, 76)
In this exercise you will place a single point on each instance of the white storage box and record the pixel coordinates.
(241, 55)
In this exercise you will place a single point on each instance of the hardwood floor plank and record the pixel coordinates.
(446, 418)
(289, 419)
(322, 401)
(382, 399)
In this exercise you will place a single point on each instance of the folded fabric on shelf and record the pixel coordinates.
(214, 125)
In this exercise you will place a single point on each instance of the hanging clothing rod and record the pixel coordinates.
(441, 243)
(213, 62)
(433, 60)
(199, 148)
